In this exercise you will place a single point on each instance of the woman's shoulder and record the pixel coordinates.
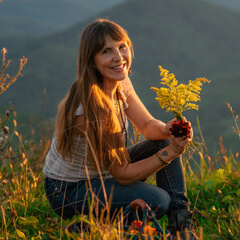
(79, 110)
(79, 120)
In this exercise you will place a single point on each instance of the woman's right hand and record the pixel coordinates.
(178, 144)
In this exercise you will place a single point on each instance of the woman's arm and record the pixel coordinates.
(128, 173)
(150, 127)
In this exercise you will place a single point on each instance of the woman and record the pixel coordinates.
(91, 133)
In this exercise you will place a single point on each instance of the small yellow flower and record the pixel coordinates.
(178, 98)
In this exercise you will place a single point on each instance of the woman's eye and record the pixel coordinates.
(123, 46)
(106, 51)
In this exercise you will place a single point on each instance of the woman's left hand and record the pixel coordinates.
(166, 129)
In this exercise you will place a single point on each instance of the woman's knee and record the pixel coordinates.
(161, 143)
(158, 199)
(162, 204)
(158, 144)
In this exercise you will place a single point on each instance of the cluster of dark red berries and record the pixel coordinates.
(180, 129)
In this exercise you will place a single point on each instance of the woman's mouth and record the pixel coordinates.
(119, 67)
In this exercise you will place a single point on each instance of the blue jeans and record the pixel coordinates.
(71, 198)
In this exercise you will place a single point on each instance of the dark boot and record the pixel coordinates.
(183, 223)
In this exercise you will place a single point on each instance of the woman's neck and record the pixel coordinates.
(110, 89)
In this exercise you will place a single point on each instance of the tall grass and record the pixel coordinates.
(213, 189)
(213, 184)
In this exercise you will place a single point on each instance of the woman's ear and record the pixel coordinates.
(129, 71)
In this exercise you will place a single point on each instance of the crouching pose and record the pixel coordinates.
(89, 150)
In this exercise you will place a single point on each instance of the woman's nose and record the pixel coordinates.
(117, 56)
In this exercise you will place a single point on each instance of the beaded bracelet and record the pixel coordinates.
(162, 161)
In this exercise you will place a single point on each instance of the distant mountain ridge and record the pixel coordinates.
(190, 38)
(38, 17)
(234, 4)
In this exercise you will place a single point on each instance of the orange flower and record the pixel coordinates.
(136, 226)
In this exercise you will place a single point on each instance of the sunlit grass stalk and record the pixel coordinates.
(202, 194)
(5, 83)
(4, 222)
(99, 171)
(235, 117)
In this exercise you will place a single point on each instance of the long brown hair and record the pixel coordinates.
(102, 127)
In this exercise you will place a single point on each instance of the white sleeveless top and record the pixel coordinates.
(73, 170)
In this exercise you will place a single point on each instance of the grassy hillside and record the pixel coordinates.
(190, 38)
(213, 193)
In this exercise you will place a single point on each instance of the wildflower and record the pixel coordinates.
(177, 98)
(136, 226)
(180, 129)
(7, 113)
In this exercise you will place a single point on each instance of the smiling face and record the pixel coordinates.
(113, 60)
